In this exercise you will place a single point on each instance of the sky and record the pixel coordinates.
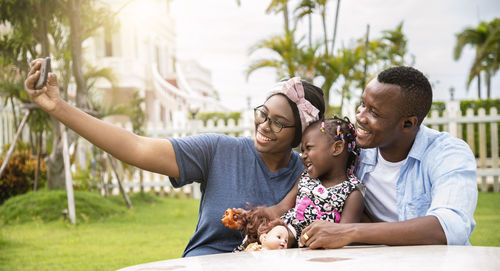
(219, 33)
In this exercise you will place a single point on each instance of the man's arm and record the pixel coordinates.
(418, 231)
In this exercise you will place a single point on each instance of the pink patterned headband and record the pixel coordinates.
(293, 89)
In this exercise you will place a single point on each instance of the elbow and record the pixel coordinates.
(437, 235)
(453, 230)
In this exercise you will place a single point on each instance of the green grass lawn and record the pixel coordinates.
(156, 229)
(152, 231)
(487, 217)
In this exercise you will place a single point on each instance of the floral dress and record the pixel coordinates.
(316, 202)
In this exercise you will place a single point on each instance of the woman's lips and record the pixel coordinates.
(262, 138)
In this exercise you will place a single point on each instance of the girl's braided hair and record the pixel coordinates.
(342, 129)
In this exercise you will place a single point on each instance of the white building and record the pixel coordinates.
(140, 49)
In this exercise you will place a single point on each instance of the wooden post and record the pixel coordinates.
(122, 191)
(39, 136)
(470, 131)
(482, 148)
(453, 111)
(495, 163)
(67, 175)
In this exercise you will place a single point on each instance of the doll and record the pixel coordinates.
(262, 233)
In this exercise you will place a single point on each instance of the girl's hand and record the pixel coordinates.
(48, 96)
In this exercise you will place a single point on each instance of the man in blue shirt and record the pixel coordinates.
(420, 183)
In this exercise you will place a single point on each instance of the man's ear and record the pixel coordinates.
(262, 238)
(410, 122)
(337, 148)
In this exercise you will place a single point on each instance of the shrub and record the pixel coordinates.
(47, 206)
(19, 175)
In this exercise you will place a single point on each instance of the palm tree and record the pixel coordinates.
(283, 48)
(485, 38)
(394, 45)
(334, 37)
(306, 8)
(352, 70)
(307, 60)
(277, 6)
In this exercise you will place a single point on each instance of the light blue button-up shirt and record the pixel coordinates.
(439, 179)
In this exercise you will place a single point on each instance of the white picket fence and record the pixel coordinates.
(452, 121)
(458, 124)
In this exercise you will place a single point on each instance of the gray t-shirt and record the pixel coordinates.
(231, 173)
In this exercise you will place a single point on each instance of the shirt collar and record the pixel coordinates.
(421, 142)
(369, 156)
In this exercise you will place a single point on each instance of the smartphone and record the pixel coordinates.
(44, 73)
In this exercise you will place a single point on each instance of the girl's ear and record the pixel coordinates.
(337, 148)
(262, 238)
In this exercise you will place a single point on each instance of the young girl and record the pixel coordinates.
(326, 189)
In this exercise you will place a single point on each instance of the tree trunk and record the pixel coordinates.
(488, 84)
(479, 85)
(44, 29)
(38, 158)
(310, 29)
(288, 34)
(55, 162)
(76, 52)
(365, 64)
(14, 115)
(325, 34)
(327, 85)
(335, 27)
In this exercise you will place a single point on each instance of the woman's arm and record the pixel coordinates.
(156, 155)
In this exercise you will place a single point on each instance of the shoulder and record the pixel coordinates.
(440, 153)
(352, 182)
(304, 177)
(296, 156)
(437, 144)
(210, 138)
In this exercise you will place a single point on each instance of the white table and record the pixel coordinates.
(364, 258)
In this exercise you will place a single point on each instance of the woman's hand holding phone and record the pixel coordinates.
(47, 96)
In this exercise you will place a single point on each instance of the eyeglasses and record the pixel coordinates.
(274, 125)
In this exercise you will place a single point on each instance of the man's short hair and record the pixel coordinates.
(416, 91)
